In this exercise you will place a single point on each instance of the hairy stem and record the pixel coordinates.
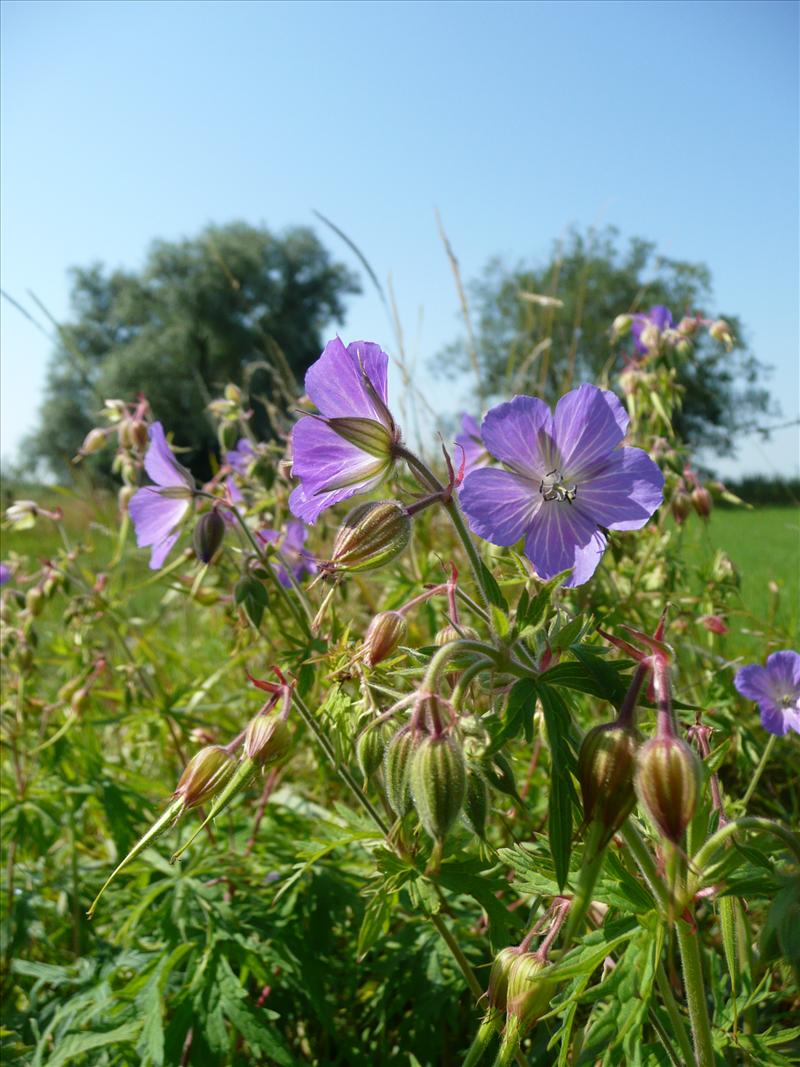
(695, 994)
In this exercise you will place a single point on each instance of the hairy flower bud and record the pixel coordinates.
(438, 783)
(668, 777)
(205, 773)
(267, 740)
(370, 536)
(721, 331)
(688, 326)
(397, 768)
(384, 634)
(529, 991)
(476, 803)
(606, 766)
(621, 327)
(208, 534)
(497, 993)
(681, 506)
(449, 633)
(92, 442)
(702, 501)
(370, 749)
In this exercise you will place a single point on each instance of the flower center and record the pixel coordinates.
(553, 487)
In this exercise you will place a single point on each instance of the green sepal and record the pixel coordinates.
(240, 779)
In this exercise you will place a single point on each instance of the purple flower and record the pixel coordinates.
(566, 480)
(239, 458)
(776, 690)
(290, 545)
(5, 573)
(157, 510)
(647, 329)
(475, 454)
(350, 446)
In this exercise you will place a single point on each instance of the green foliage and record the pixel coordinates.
(234, 304)
(541, 348)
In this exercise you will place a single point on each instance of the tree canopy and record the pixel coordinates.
(541, 329)
(235, 303)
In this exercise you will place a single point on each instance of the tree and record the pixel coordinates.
(235, 303)
(525, 341)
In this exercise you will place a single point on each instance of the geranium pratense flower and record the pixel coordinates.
(647, 329)
(290, 545)
(776, 690)
(566, 477)
(475, 454)
(157, 510)
(351, 445)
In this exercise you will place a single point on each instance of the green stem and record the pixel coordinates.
(474, 669)
(695, 994)
(481, 1041)
(449, 651)
(594, 856)
(675, 1017)
(759, 769)
(640, 852)
(746, 822)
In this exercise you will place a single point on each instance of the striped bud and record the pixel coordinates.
(476, 803)
(370, 749)
(529, 991)
(208, 534)
(702, 501)
(606, 766)
(267, 740)
(384, 634)
(449, 633)
(681, 506)
(92, 442)
(668, 777)
(721, 331)
(497, 993)
(370, 536)
(205, 773)
(397, 769)
(438, 784)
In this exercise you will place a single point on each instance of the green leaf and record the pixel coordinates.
(562, 791)
(531, 612)
(74, 1045)
(251, 596)
(594, 949)
(375, 922)
(493, 592)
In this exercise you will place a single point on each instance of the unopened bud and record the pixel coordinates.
(268, 739)
(650, 337)
(370, 749)
(233, 393)
(22, 514)
(204, 775)
(606, 766)
(714, 624)
(529, 991)
(476, 803)
(92, 442)
(370, 536)
(384, 634)
(208, 534)
(497, 993)
(721, 331)
(621, 327)
(125, 433)
(438, 784)
(397, 768)
(702, 501)
(139, 434)
(668, 779)
(227, 434)
(449, 633)
(688, 326)
(34, 600)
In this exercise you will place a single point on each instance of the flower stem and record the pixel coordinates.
(695, 994)
(646, 864)
(594, 857)
(746, 822)
(759, 769)
(674, 1013)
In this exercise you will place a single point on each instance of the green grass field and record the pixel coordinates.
(764, 544)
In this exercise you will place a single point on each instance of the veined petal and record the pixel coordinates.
(336, 384)
(155, 516)
(754, 683)
(783, 669)
(625, 493)
(160, 462)
(519, 433)
(160, 550)
(308, 502)
(588, 424)
(561, 537)
(499, 505)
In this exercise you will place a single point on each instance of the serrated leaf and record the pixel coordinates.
(375, 922)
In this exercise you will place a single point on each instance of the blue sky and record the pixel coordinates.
(124, 122)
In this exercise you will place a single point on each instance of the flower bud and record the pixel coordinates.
(681, 506)
(529, 992)
(370, 749)
(497, 993)
(267, 740)
(650, 337)
(34, 600)
(92, 442)
(205, 773)
(22, 514)
(438, 783)
(688, 326)
(449, 633)
(139, 434)
(714, 624)
(621, 327)
(668, 777)
(370, 536)
(125, 433)
(476, 803)
(721, 331)
(208, 534)
(702, 501)
(384, 634)
(227, 434)
(233, 393)
(397, 768)
(606, 766)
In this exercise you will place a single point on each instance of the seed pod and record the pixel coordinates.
(668, 777)
(397, 769)
(267, 740)
(370, 536)
(205, 773)
(702, 501)
(384, 634)
(449, 633)
(139, 434)
(208, 534)
(529, 992)
(370, 749)
(606, 766)
(438, 784)
(476, 803)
